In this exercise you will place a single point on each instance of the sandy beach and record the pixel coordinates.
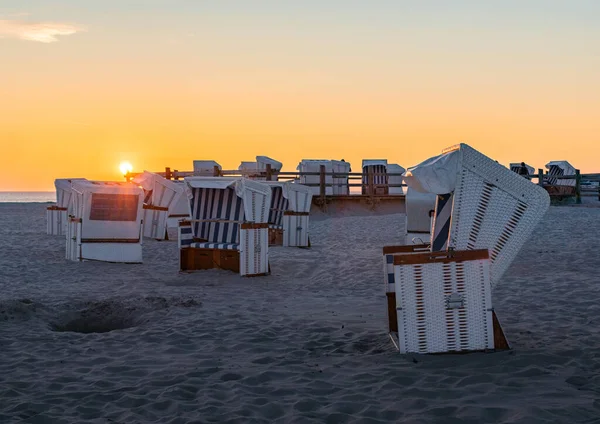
(306, 344)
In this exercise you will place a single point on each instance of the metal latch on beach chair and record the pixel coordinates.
(455, 301)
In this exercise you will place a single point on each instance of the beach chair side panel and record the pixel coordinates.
(444, 304)
(155, 221)
(56, 221)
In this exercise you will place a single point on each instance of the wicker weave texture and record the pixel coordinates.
(495, 209)
(444, 307)
(254, 251)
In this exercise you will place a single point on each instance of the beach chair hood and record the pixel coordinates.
(436, 175)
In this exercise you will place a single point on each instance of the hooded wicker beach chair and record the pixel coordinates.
(516, 167)
(309, 175)
(554, 184)
(376, 170)
(105, 222)
(395, 179)
(229, 226)
(57, 214)
(443, 290)
(289, 214)
(258, 170)
(341, 169)
(164, 204)
(206, 168)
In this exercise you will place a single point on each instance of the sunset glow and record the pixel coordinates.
(125, 167)
(86, 87)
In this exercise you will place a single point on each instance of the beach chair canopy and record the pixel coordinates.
(515, 166)
(205, 167)
(566, 167)
(108, 210)
(63, 191)
(374, 162)
(263, 161)
(163, 193)
(481, 204)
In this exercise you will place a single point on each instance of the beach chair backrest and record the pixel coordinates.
(279, 204)
(490, 206)
(216, 204)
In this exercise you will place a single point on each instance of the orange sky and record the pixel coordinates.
(184, 87)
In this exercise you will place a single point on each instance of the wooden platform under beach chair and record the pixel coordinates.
(289, 214)
(440, 293)
(229, 226)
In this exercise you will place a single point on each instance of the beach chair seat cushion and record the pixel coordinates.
(212, 245)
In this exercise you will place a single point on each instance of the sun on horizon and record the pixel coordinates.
(125, 167)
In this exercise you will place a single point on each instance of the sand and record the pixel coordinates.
(306, 344)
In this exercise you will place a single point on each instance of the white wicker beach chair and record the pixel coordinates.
(313, 167)
(258, 170)
(105, 222)
(376, 169)
(395, 179)
(164, 204)
(516, 166)
(57, 214)
(484, 215)
(206, 168)
(341, 169)
(289, 214)
(229, 226)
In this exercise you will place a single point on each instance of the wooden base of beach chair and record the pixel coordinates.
(195, 259)
(275, 237)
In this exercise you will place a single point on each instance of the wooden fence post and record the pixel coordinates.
(175, 175)
(577, 186)
(167, 173)
(216, 171)
(322, 183)
(540, 177)
(269, 172)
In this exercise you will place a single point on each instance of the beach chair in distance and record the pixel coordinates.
(419, 216)
(560, 187)
(105, 222)
(395, 172)
(484, 214)
(289, 214)
(516, 167)
(376, 171)
(258, 170)
(57, 214)
(341, 169)
(228, 228)
(164, 204)
(206, 168)
(313, 167)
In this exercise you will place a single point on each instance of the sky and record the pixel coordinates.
(85, 85)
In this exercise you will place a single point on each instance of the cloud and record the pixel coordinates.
(43, 32)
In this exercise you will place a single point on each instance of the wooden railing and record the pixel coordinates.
(370, 189)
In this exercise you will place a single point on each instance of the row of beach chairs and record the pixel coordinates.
(222, 222)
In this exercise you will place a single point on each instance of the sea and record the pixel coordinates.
(27, 196)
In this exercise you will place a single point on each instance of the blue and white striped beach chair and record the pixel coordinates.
(228, 228)
(375, 169)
